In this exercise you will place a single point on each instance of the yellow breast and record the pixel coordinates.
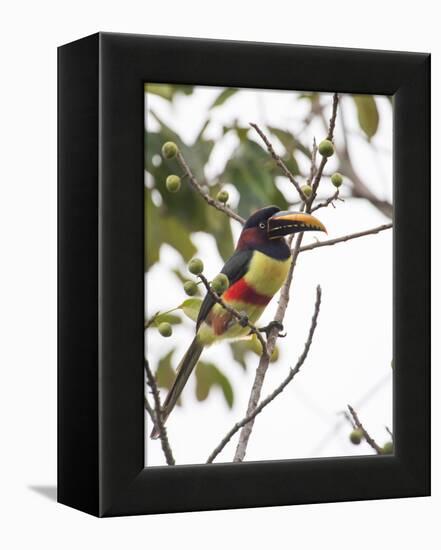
(265, 274)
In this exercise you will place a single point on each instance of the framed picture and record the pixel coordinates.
(244, 269)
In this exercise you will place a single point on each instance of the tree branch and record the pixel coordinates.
(359, 187)
(199, 189)
(280, 313)
(292, 372)
(346, 238)
(370, 440)
(327, 202)
(330, 135)
(279, 161)
(156, 415)
(243, 320)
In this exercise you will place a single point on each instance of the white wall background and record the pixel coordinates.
(30, 32)
(350, 360)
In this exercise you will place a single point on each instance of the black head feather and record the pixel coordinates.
(260, 216)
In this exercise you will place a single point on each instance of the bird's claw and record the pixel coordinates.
(273, 324)
(243, 321)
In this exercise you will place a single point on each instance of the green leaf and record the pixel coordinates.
(191, 307)
(367, 113)
(167, 91)
(186, 206)
(176, 236)
(208, 376)
(240, 350)
(291, 143)
(252, 171)
(159, 229)
(311, 96)
(223, 97)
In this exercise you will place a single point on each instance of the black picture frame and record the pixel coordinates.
(101, 274)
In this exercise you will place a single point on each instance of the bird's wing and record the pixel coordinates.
(234, 269)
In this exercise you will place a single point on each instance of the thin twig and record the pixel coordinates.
(346, 238)
(150, 410)
(280, 388)
(389, 432)
(243, 320)
(324, 160)
(327, 202)
(370, 440)
(198, 188)
(157, 417)
(359, 187)
(313, 166)
(279, 161)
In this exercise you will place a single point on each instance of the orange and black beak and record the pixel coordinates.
(286, 223)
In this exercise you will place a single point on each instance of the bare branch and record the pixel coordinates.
(198, 188)
(346, 238)
(327, 202)
(150, 410)
(359, 187)
(149, 322)
(279, 161)
(157, 415)
(292, 372)
(264, 361)
(313, 167)
(389, 432)
(330, 136)
(243, 320)
(366, 435)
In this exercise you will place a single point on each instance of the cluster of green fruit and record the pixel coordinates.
(196, 266)
(173, 182)
(357, 435)
(326, 149)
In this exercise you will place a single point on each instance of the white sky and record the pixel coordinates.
(350, 358)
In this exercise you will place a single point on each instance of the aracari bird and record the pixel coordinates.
(256, 271)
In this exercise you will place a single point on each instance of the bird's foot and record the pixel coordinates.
(243, 321)
(273, 324)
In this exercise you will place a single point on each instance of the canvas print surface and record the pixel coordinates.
(268, 274)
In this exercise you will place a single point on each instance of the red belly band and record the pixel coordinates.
(243, 292)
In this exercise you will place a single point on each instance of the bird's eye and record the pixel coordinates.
(262, 225)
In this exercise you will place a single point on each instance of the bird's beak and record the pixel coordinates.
(286, 223)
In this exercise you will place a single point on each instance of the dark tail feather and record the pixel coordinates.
(185, 368)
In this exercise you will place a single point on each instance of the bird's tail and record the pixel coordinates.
(184, 370)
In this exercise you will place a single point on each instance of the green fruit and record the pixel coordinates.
(165, 329)
(173, 183)
(195, 266)
(220, 283)
(326, 148)
(169, 149)
(307, 190)
(223, 196)
(190, 288)
(356, 436)
(336, 179)
(388, 448)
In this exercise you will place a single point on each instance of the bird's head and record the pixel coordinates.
(270, 223)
